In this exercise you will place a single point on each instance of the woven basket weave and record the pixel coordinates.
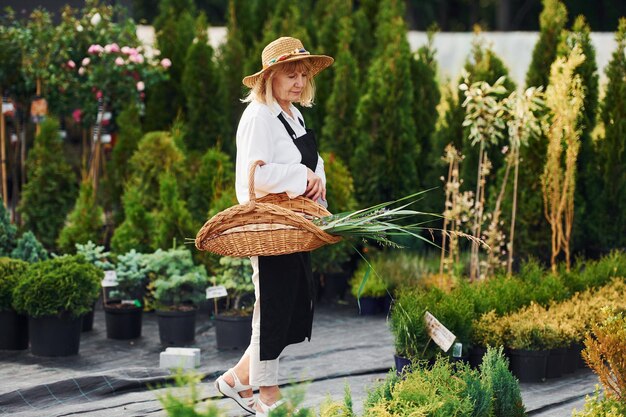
(271, 225)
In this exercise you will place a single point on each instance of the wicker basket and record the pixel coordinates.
(271, 225)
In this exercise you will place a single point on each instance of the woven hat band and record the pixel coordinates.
(295, 52)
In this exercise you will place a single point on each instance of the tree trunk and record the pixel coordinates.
(3, 160)
(503, 15)
(509, 268)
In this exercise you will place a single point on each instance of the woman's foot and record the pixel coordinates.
(231, 386)
(269, 399)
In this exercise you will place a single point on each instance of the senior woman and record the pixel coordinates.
(272, 130)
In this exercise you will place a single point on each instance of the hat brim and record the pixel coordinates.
(319, 63)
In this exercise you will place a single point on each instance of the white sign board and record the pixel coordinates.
(438, 332)
(110, 279)
(216, 292)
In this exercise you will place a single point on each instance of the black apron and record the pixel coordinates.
(286, 283)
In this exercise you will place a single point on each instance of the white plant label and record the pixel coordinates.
(438, 332)
(110, 279)
(216, 292)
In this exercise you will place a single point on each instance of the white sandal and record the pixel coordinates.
(267, 408)
(226, 390)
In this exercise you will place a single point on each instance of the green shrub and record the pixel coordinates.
(59, 286)
(374, 285)
(175, 279)
(8, 233)
(95, 255)
(600, 406)
(235, 274)
(408, 326)
(131, 276)
(507, 398)
(185, 402)
(11, 271)
(29, 249)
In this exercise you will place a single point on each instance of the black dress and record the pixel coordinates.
(286, 283)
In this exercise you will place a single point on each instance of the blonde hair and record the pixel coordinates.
(262, 90)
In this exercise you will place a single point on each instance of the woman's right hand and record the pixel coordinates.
(314, 186)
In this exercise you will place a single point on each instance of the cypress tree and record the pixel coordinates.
(174, 33)
(8, 233)
(138, 226)
(231, 67)
(364, 22)
(173, 221)
(426, 97)
(338, 133)
(203, 92)
(84, 223)
(610, 208)
(387, 152)
(587, 173)
(214, 175)
(128, 137)
(551, 23)
(50, 191)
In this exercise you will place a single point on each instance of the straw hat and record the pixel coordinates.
(283, 50)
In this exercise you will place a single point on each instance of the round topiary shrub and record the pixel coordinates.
(10, 272)
(66, 285)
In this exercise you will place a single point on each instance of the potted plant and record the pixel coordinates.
(55, 294)
(97, 256)
(123, 309)
(13, 326)
(178, 286)
(233, 326)
(371, 293)
(409, 329)
(487, 331)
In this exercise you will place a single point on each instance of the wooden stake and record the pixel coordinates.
(3, 160)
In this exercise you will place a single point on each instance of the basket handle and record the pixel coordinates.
(251, 193)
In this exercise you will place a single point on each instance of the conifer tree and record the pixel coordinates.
(174, 33)
(231, 67)
(426, 97)
(29, 249)
(173, 221)
(137, 230)
(214, 176)
(8, 233)
(610, 208)
(365, 21)
(156, 153)
(338, 133)
(84, 223)
(551, 23)
(50, 191)
(384, 163)
(587, 173)
(128, 137)
(203, 92)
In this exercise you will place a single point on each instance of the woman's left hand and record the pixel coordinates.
(314, 186)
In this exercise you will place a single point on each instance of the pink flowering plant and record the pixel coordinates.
(100, 58)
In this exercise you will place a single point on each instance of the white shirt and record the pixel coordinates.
(262, 136)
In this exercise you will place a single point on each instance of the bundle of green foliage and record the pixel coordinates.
(11, 271)
(446, 389)
(62, 286)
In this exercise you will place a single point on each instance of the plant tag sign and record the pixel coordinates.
(438, 332)
(110, 279)
(216, 292)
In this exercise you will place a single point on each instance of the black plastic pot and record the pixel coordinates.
(529, 365)
(371, 305)
(54, 336)
(177, 328)
(476, 354)
(233, 332)
(572, 358)
(87, 325)
(554, 366)
(122, 323)
(401, 362)
(13, 331)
